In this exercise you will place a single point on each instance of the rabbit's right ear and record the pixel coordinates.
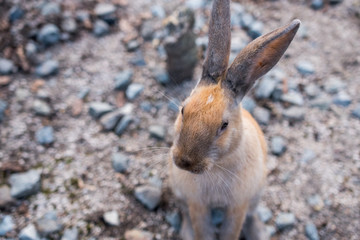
(257, 58)
(217, 56)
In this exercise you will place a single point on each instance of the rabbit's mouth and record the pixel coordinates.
(191, 166)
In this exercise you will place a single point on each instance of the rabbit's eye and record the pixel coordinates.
(182, 110)
(224, 125)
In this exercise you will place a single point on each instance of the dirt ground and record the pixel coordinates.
(82, 151)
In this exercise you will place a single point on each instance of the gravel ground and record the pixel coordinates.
(79, 182)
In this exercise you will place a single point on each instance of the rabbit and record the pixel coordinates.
(218, 156)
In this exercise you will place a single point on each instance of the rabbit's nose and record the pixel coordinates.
(183, 162)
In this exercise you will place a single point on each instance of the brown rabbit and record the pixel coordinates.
(218, 158)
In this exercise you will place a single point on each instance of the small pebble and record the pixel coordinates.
(123, 124)
(50, 8)
(265, 88)
(120, 162)
(342, 99)
(47, 68)
(5, 196)
(158, 11)
(112, 218)
(161, 76)
(15, 13)
(48, 224)
(248, 104)
(3, 107)
(6, 66)
(294, 114)
(123, 80)
(334, 2)
(285, 220)
(278, 145)
(256, 29)
(111, 119)
(195, 4)
(315, 202)
(134, 90)
(305, 68)
(25, 184)
(49, 34)
(98, 109)
(307, 156)
(334, 85)
(137, 234)
(270, 230)
(311, 231)
(148, 195)
(317, 4)
(356, 111)
(45, 135)
(70, 234)
(312, 90)
(138, 60)
(132, 45)
(246, 20)
(6, 225)
(174, 219)
(100, 28)
(322, 102)
(69, 25)
(157, 131)
(262, 115)
(264, 213)
(29, 233)
(293, 97)
(103, 10)
(41, 108)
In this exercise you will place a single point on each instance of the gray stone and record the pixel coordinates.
(148, 195)
(44, 95)
(47, 68)
(70, 234)
(293, 97)
(3, 107)
(305, 68)
(69, 25)
(334, 85)
(174, 219)
(322, 102)
(158, 11)
(45, 135)
(104, 9)
(6, 225)
(334, 2)
(120, 162)
(270, 230)
(132, 45)
(247, 20)
(134, 90)
(29, 233)
(248, 104)
(315, 202)
(294, 113)
(264, 213)
(50, 8)
(25, 184)
(41, 108)
(311, 231)
(30, 49)
(97, 109)
(110, 120)
(123, 79)
(285, 220)
(147, 30)
(265, 88)
(6, 66)
(312, 90)
(157, 131)
(112, 218)
(217, 216)
(307, 156)
(49, 34)
(21, 94)
(146, 106)
(48, 224)
(100, 28)
(278, 145)
(262, 115)
(15, 13)
(195, 4)
(5, 196)
(136, 234)
(342, 99)
(83, 16)
(317, 4)
(123, 124)
(302, 32)
(138, 59)
(161, 76)
(256, 29)
(83, 93)
(356, 111)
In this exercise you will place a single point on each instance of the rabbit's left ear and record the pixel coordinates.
(257, 58)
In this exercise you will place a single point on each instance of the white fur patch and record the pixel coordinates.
(210, 99)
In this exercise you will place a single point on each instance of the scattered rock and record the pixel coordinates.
(270, 230)
(256, 29)
(294, 114)
(77, 107)
(305, 68)
(195, 4)
(262, 115)
(217, 216)
(49, 35)
(69, 25)
(334, 2)
(123, 124)
(5, 196)
(100, 28)
(97, 109)
(134, 90)
(6, 66)
(312, 90)
(174, 219)
(293, 97)
(4, 80)
(307, 156)
(48, 224)
(264, 213)
(29, 233)
(322, 102)
(247, 20)
(22, 94)
(146, 106)
(109, 120)
(45, 135)
(41, 108)
(148, 195)
(47, 68)
(157, 131)
(132, 45)
(3, 107)
(355, 112)
(50, 8)
(315, 202)
(137, 234)
(83, 93)
(265, 88)
(25, 184)
(161, 76)
(285, 220)
(158, 11)
(123, 80)
(278, 145)
(311, 231)
(248, 104)
(6, 225)
(112, 218)
(106, 11)
(342, 99)
(317, 4)
(138, 60)
(15, 13)
(120, 162)
(70, 234)
(334, 85)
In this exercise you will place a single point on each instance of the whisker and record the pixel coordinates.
(169, 98)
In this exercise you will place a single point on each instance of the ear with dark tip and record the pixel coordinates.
(257, 58)
(217, 56)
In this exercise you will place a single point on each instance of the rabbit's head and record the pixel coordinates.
(209, 124)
